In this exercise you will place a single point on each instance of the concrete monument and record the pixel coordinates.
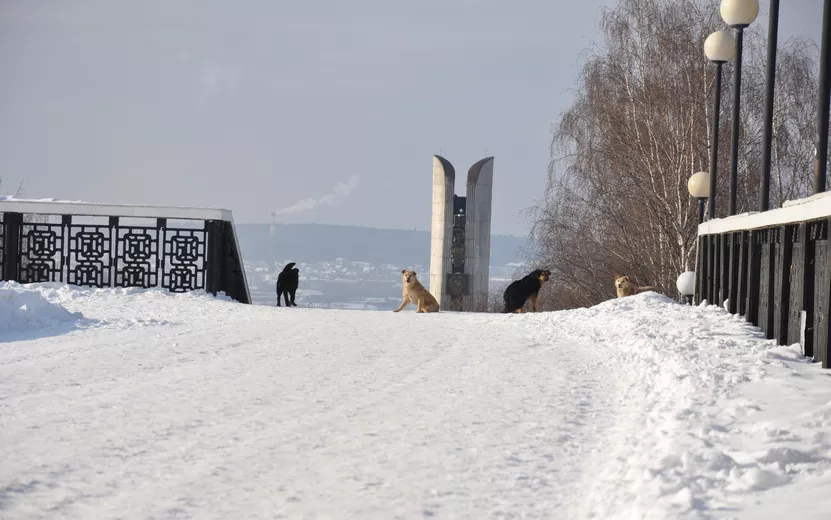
(460, 243)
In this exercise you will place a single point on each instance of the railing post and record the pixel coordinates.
(767, 271)
(800, 283)
(741, 291)
(701, 270)
(753, 265)
(113, 225)
(724, 268)
(214, 270)
(822, 293)
(161, 224)
(715, 254)
(812, 230)
(236, 285)
(12, 224)
(733, 273)
(782, 286)
(63, 272)
(224, 272)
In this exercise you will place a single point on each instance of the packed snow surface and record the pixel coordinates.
(154, 405)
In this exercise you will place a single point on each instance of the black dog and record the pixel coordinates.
(287, 282)
(520, 290)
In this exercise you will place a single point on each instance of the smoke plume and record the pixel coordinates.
(340, 192)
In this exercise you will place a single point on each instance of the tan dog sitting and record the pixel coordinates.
(626, 287)
(414, 292)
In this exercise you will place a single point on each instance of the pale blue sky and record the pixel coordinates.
(258, 105)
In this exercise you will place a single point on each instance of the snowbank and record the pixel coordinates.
(713, 415)
(25, 310)
(42, 306)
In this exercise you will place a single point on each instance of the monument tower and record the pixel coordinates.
(460, 240)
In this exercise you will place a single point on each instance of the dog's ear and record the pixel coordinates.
(403, 271)
(415, 273)
(615, 275)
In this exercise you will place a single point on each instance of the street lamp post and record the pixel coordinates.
(737, 14)
(719, 48)
(767, 130)
(824, 102)
(699, 187)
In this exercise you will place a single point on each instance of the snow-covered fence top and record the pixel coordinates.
(59, 207)
(107, 245)
(792, 211)
(773, 268)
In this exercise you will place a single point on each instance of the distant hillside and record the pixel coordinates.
(319, 242)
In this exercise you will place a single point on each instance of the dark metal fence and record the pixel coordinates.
(773, 268)
(178, 249)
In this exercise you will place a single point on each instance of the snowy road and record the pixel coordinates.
(155, 406)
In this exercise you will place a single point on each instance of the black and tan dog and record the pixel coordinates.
(521, 290)
(287, 282)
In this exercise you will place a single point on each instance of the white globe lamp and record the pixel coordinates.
(686, 285)
(699, 185)
(720, 47)
(739, 13)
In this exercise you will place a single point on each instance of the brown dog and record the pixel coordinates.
(414, 292)
(624, 286)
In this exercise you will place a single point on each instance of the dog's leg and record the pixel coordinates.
(420, 305)
(293, 292)
(279, 295)
(286, 298)
(403, 304)
(522, 309)
(533, 303)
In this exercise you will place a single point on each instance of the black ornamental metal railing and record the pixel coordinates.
(102, 245)
(773, 268)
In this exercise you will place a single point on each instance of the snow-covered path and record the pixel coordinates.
(160, 406)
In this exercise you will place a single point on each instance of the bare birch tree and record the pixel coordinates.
(639, 127)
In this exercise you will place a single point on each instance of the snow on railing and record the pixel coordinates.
(65, 207)
(802, 210)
